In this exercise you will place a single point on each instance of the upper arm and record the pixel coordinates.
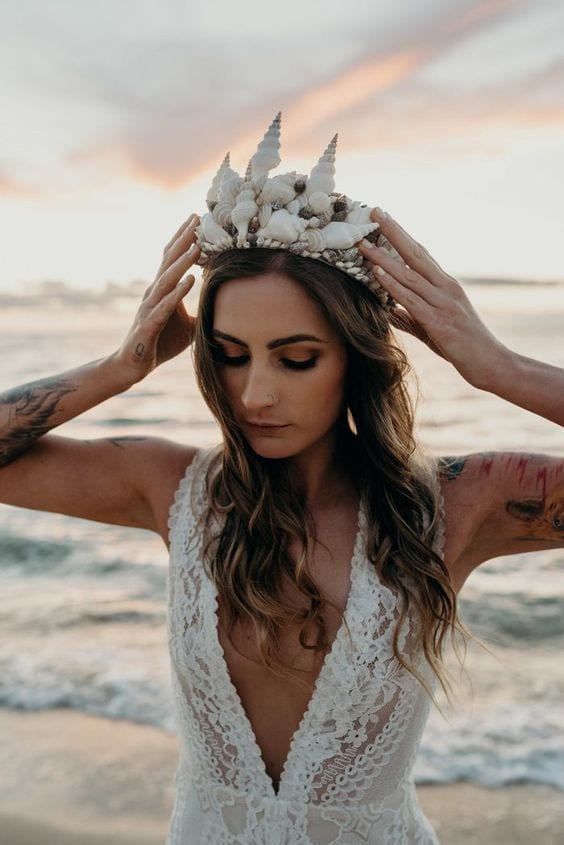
(118, 480)
(500, 503)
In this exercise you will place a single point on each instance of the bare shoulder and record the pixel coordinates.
(500, 503)
(162, 465)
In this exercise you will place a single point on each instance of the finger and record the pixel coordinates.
(172, 275)
(407, 276)
(413, 253)
(162, 310)
(400, 319)
(179, 231)
(417, 306)
(185, 238)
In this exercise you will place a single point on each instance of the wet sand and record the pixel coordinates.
(71, 779)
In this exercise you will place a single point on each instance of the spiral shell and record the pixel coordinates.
(283, 227)
(344, 235)
(222, 212)
(267, 156)
(264, 214)
(222, 174)
(322, 177)
(278, 189)
(314, 239)
(212, 232)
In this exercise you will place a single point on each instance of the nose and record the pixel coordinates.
(259, 391)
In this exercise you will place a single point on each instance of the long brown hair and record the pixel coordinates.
(263, 511)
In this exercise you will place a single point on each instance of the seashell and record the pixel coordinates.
(314, 239)
(222, 212)
(293, 207)
(245, 207)
(319, 202)
(340, 203)
(300, 186)
(283, 227)
(211, 231)
(339, 216)
(302, 199)
(224, 172)
(267, 156)
(358, 214)
(306, 212)
(229, 188)
(322, 177)
(265, 212)
(254, 226)
(313, 223)
(344, 235)
(278, 189)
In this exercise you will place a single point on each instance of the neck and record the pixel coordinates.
(322, 475)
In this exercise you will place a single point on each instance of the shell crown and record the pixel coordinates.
(303, 214)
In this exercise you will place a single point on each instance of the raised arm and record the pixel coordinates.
(435, 308)
(111, 479)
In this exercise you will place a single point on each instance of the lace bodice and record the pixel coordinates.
(347, 779)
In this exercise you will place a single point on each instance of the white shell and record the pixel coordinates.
(222, 212)
(211, 231)
(278, 189)
(230, 187)
(319, 202)
(344, 235)
(314, 239)
(293, 207)
(322, 177)
(264, 214)
(244, 210)
(358, 214)
(267, 156)
(283, 227)
(223, 173)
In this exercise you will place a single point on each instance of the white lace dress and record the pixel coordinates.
(347, 779)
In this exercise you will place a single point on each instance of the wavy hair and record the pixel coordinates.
(398, 485)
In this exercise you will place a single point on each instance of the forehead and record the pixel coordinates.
(270, 304)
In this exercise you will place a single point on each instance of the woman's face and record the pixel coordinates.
(271, 376)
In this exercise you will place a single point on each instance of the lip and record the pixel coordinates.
(266, 427)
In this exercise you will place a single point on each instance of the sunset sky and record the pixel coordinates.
(116, 115)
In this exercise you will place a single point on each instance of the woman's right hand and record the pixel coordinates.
(162, 327)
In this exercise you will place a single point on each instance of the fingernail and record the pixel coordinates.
(367, 244)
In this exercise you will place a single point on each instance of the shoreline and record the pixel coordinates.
(68, 778)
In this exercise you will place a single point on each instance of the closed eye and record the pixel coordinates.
(241, 360)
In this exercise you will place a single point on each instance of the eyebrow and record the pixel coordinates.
(272, 344)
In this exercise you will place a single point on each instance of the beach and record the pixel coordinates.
(68, 777)
(88, 743)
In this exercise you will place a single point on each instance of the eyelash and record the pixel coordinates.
(291, 365)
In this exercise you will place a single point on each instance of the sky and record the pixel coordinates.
(117, 113)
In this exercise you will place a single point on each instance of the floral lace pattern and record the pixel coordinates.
(347, 777)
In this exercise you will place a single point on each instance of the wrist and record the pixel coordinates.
(118, 375)
(501, 369)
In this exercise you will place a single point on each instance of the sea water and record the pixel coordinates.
(82, 620)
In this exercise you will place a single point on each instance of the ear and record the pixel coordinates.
(527, 510)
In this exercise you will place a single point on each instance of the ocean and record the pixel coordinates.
(83, 604)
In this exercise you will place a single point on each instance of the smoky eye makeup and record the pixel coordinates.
(221, 357)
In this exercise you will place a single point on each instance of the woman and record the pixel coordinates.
(319, 542)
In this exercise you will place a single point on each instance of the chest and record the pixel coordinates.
(275, 705)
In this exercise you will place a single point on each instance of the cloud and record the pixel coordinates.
(162, 100)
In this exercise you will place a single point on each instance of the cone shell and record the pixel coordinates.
(322, 177)
(245, 209)
(344, 235)
(267, 156)
(223, 173)
(319, 202)
(222, 212)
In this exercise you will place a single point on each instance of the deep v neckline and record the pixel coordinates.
(229, 691)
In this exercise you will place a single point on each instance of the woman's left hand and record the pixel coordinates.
(435, 307)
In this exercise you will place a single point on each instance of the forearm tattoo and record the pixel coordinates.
(29, 412)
